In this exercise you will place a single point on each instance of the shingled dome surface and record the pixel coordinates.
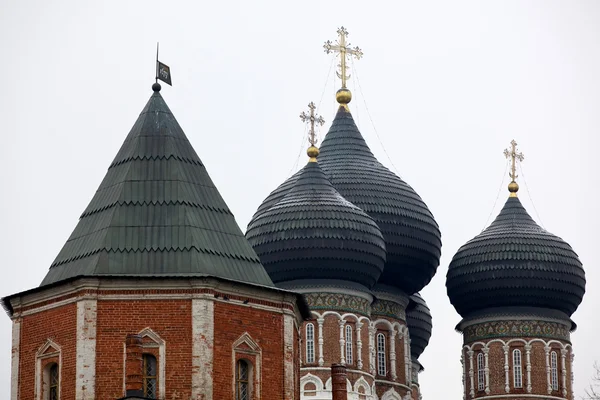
(515, 263)
(412, 237)
(313, 233)
(157, 213)
(419, 323)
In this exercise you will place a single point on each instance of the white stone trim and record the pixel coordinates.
(161, 345)
(203, 338)
(528, 367)
(391, 394)
(525, 396)
(392, 337)
(288, 358)
(506, 349)
(15, 353)
(319, 387)
(486, 354)
(342, 324)
(470, 353)
(320, 322)
(38, 366)
(359, 362)
(254, 350)
(85, 380)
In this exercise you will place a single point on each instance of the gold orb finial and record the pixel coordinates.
(312, 152)
(343, 96)
(513, 188)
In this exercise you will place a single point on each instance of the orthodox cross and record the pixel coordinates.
(344, 50)
(312, 118)
(514, 156)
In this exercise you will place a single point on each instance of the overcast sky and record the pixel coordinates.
(447, 84)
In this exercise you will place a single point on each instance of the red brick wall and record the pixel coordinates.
(60, 325)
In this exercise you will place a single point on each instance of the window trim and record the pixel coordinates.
(517, 358)
(381, 355)
(310, 343)
(246, 348)
(554, 371)
(480, 372)
(348, 344)
(42, 356)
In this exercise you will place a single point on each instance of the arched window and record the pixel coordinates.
(381, 369)
(517, 369)
(149, 376)
(242, 377)
(554, 370)
(480, 372)
(53, 382)
(310, 343)
(348, 344)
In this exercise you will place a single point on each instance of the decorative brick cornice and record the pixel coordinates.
(516, 328)
(338, 301)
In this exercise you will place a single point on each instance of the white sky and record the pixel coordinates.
(448, 85)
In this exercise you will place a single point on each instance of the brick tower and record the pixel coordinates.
(156, 293)
(368, 221)
(516, 286)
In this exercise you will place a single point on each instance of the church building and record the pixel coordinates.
(157, 293)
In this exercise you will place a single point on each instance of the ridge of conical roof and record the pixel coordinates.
(515, 263)
(315, 233)
(157, 213)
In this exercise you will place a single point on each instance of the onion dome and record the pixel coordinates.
(157, 213)
(515, 263)
(418, 321)
(313, 233)
(412, 236)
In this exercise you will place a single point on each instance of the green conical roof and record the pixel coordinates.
(157, 213)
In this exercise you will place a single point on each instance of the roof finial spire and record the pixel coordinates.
(515, 156)
(343, 96)
(311, 117)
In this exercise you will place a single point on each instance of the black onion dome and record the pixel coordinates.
(314, 233)
(412, 236)
(515, 263)
(418, 321)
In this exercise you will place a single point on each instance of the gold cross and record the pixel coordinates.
(312, 117)
(344, 50)
(514, 157)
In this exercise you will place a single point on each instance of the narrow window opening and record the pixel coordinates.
(480, 372)
(348, 344)
(53, 382)
(381, 367)
(517, 369)
(554, 370)
(310, 343)
(149, 378)
(242, 380)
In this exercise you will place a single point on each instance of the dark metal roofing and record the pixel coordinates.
(412, 236)
(514, 262)
(314, 233)
(157, 213)
(419, 323)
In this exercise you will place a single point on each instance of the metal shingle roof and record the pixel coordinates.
(513, 263)
(157, 213)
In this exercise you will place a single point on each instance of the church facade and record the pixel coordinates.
(158, 294)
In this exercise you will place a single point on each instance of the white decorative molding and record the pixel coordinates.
(359, 362)
(251, 348)
(528, 366)
(15, 352)
(391, 394)
(203, 338)
(372, 350)
(563, 356)
(392, 338)
(288, 358)
(156, 342)
(342, 324)
(486, 352)
(470, 353)
(320, 322)
(85, 381)
(506, 348)
(547, 350)
(41, 355)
